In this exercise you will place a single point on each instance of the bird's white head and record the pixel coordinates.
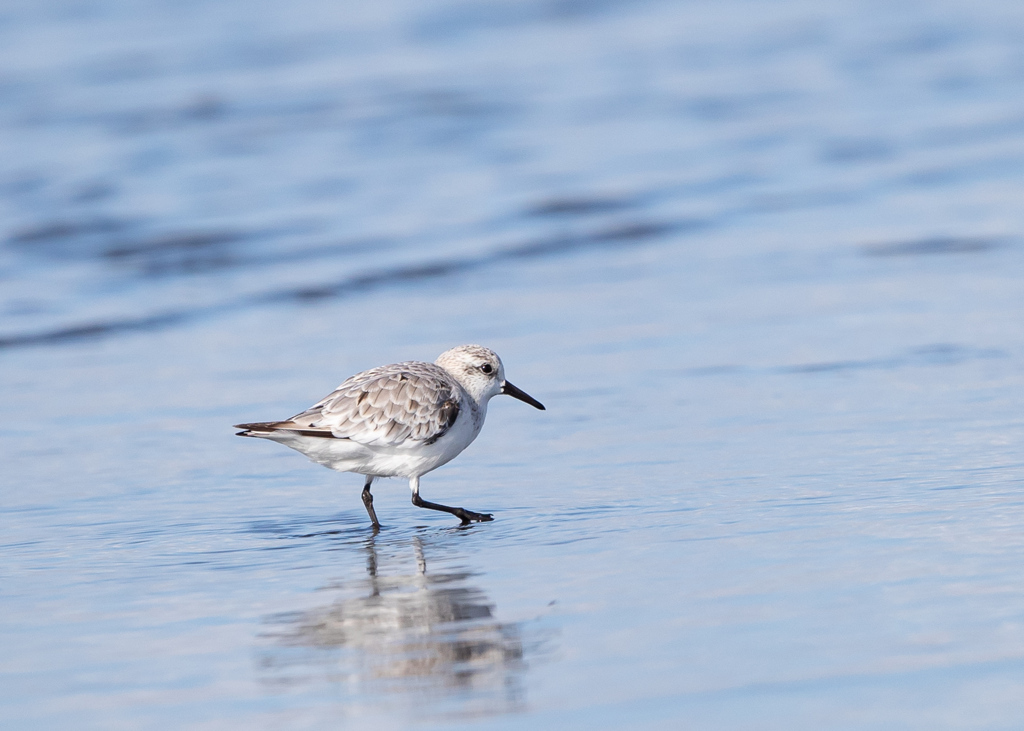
(481, 373)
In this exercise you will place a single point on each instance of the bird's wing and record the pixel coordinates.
(404, 404)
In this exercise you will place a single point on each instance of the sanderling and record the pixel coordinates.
(399, 420)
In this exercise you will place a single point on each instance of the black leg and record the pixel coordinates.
(461, 513)
(368, 502)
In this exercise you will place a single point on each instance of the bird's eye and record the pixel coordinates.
(486, 368)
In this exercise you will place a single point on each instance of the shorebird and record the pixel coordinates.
(399, 420)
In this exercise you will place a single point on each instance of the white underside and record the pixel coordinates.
(409, 461)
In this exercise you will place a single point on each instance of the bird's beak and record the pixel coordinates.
(508, 388)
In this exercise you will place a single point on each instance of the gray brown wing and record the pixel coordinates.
(401, 404)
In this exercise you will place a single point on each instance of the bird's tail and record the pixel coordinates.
(257, 428)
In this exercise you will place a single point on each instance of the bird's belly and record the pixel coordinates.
(406, 461)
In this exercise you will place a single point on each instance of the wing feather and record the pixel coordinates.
(404, 404)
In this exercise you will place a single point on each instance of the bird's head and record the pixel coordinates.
(481, 373)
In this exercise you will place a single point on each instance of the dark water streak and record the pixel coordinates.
(623, 235)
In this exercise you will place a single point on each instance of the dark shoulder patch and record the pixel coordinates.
(449, 413)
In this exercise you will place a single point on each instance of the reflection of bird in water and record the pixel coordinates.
(414, 632)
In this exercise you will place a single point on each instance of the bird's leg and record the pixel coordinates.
(466, 516)
(368, 501)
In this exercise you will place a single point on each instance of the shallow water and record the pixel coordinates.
(761, 261)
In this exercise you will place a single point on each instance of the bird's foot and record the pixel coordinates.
(468, 516)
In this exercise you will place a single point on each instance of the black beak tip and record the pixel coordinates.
(510, 390)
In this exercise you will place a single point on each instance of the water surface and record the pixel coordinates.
(761, 261)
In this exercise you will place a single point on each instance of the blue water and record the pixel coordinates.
(762, 262)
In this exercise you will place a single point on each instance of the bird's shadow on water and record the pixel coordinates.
(412, 630)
